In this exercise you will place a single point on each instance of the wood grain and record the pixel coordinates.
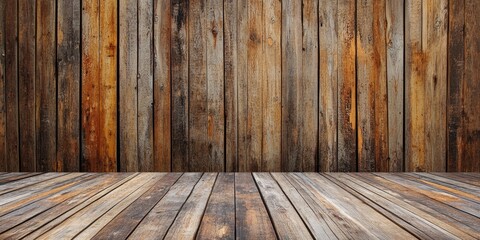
(68, 86)
(3, 154)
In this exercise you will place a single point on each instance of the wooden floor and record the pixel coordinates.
(240, 205)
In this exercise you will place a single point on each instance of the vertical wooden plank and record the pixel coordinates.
(162, 86)
(215, 86)
(128, 99)
(272, 87)
(145, 86)
(198, 87)
(46, 87)
(456, 70)
(328, 99)
(435, 46)
(26, 83)
(99, 88)
(471, 90)
(11, 86)
(254, 72)
(242, 83)
(371, 87)
(3, 160)
(414, 83)
(426, 57)
(395, 82)
(230, 11)
(309, 86)
(179, 73)
(292, 86)
(346, 86)
(68, 103)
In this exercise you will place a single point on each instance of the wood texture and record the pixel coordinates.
(238, 85)
(68, 85)
(239, 205)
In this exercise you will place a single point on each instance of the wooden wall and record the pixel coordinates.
(239, 85)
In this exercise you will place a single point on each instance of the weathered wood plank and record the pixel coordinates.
(471, 90)
(127, 83)
(46, 87)
(285, 218)
(215, 86)
(328, 99)
(11, 86)
(347, 111)
(126, 221)
(26, 84)
(372, 97)
(53, 217)
(250, 209)
(180, 98)
(68, 102)
(272, 87)
(230, 11)
(218, 221)
(99, 87)
(309, 85)
(145, 86)
(158, 221)
(198, 121)
(395, 40)
(14, 176)
(242, 84)
(162, 85)
(255, 67)
(3, 153)
(188, 219)
(373, 221)
(462, 177)
(317, 226)
(292, 106)
(15, 185)
(71, 227)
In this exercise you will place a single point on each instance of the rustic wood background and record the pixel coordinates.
(212, 85)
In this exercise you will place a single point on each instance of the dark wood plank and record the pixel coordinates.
(288, 224)
(435, 207)
(199, 159)
(179, 72)
(121, 197)
(395, 41)
(99, 85)
(3, 153)
(328, 99)
(456, 71)
(317, 226)
(471, 90)
(68, 102)
(124, 223)
(347, 124)
(230, 11)
(309, 83)
(26, 84)
(45, 221)
(292, 110)
(371, 87)
(272, 86)
(218, 221)
(410, 216)
(370, 219)
(188, 220)
(128, 85)
(145, 86)
(162, 85)
(45, 87)
(11, 86)
(249, 208)
(158, 221)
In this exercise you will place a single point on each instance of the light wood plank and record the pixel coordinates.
(288, 224)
